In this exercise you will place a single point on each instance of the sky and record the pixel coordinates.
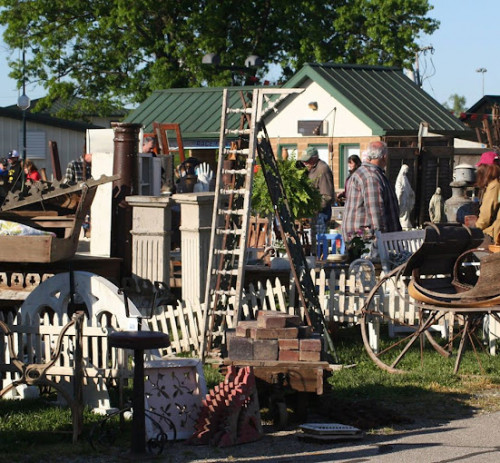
(464, 42)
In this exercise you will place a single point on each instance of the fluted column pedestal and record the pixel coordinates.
(196, 225)
(151, 235)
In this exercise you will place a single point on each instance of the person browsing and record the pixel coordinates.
(321, 177)
(371, 201)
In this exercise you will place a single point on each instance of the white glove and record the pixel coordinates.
(205, 176)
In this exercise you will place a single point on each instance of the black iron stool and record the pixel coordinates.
(139, 341)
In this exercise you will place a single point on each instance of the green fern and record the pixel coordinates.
(303, 198)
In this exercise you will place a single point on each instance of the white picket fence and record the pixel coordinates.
(341, 299)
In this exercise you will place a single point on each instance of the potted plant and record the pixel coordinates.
(304, 200)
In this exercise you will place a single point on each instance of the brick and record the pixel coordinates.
(240, 348)
(275, 333)
(273, 319)
(289, 355)
(305, 331)
(311, 345)
(308, 356)
(288, 344)
(244, 328)
(265, 349)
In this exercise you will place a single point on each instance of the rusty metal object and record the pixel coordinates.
(126, 142)
(36, 374)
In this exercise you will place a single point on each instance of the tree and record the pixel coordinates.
(117, 51)
(455, 104)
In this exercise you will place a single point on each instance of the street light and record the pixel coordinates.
(23, 103)
(482, 71)
(251, 64)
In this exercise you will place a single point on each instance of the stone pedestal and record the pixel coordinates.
(151, 229)
(196, 224)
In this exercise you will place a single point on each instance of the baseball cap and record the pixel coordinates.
(490, 157)
(13, 154)
(308, 154)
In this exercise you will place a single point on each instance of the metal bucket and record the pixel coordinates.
(464, 173)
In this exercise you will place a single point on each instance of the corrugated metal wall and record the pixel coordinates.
(70, 143)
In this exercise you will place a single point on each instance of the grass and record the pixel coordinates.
(362, 395)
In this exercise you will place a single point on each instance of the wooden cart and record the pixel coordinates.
(276, 379)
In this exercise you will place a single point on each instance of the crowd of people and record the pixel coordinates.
(371, 203)
(12, 169)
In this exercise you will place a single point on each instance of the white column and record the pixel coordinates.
(151, 231)
(196, 225)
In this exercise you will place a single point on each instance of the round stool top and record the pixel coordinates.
(138, 339)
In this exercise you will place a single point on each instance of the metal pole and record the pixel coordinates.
(23, 175)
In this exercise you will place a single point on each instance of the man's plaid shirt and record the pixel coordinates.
(371, 202)
(74, 171)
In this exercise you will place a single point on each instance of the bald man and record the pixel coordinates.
(371, 200)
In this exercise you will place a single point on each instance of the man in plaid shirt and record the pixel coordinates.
(75, 170)
(371, 200)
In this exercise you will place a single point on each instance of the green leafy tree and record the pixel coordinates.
(455, 104)
(303, 198)
(118, 51)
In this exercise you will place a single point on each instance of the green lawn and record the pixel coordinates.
(34, 430)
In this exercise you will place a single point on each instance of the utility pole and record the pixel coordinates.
(482, 71)
(418, 78)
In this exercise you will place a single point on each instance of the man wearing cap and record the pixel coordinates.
(14, 174)
(371, 200)
(487, 180)
(322, 178)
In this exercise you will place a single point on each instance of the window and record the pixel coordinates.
(36, 144)
(289, 149)
(345, 152)
(323, 153)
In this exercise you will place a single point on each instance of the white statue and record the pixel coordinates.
(406, 197)
(436, 207)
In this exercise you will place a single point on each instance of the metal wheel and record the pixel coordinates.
(395, 341)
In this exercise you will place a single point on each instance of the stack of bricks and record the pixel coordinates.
(274, 336)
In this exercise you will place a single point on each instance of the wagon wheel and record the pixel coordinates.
(397, 354)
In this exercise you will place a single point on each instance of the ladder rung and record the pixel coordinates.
(244, 151)
(221, 292)
(240, 110)
(228, 191)
(225, 272)
(229, 231)
(231, 211)
(235, 171)
(227, 251)
(239, 131)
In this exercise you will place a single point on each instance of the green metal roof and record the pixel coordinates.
(197, 110)
(382, 97)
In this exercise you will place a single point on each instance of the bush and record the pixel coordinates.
(303, 198)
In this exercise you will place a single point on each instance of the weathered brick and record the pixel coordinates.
(288, 344)
(311, 345)
(265, 349)
(308, 356)
(305, 331)
(289, 355)
(240, 348)
(275, 333)
(273, 319)
(244, 328)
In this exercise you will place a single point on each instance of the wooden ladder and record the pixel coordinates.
(231, 212)
(230, 221)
